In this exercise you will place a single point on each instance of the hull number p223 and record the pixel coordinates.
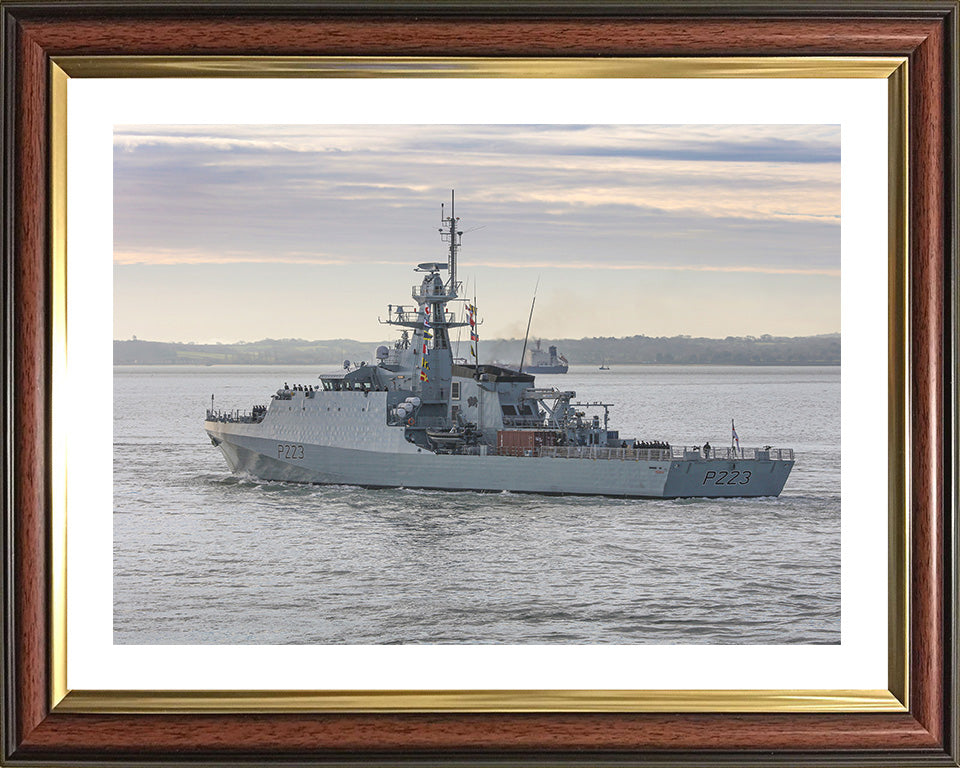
(289, 451)
(724, 477)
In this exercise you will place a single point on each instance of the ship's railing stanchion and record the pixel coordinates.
(653, 454)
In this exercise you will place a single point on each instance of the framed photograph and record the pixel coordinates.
(597, 488)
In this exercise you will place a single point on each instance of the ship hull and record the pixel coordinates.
(405, 466)
(535, 369)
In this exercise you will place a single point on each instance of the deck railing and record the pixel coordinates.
(599, 453)
(773, 454)
(237, 417)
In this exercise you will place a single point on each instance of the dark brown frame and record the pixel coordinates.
(925, 32)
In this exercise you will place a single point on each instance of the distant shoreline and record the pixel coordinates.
(572, 365)
(759, 351)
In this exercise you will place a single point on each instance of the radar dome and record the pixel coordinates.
(382, 353)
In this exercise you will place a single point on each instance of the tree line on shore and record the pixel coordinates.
(674, 350)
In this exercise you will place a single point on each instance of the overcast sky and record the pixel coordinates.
(227, 233)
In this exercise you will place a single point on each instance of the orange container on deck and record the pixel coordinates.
(526, 438)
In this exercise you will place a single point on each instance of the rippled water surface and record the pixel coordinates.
(204, 556)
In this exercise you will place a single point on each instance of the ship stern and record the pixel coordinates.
(727, 477)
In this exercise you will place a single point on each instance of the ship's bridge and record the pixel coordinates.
(366, 378)
(424, 293)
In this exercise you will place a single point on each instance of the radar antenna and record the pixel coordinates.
(450, 234)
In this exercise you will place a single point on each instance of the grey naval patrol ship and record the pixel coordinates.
(418, 418)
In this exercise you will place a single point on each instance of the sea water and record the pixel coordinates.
(203, 556)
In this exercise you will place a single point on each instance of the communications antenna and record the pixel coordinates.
(450, 234)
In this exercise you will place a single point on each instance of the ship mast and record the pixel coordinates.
(451, 235)
(428, 358)
(526, 336)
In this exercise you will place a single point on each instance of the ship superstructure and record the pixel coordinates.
(418, 418)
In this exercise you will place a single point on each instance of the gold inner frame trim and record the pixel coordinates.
(58, 364)
(898, 386)
(893, 69)
(131, 702)
(427, 66)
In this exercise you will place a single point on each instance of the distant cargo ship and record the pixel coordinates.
(539, 361)
(417, 418)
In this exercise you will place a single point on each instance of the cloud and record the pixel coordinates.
(786, 143)
(169, 257)
(601, 205)
(732, 268)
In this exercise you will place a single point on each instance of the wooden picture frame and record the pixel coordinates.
(37, 730)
